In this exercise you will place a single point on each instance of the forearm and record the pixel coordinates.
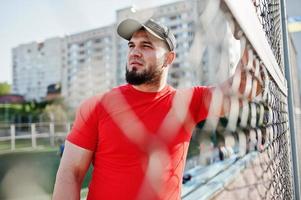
(67, 186)
(73, 167)
(242, 85)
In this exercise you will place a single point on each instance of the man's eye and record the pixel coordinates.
(147, 46)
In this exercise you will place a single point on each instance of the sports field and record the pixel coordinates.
(29, 174)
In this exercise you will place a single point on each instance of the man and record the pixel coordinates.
(136, 135)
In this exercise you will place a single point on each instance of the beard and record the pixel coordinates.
(147, 76)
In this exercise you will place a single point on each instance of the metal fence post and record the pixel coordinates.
(51, 133)
(13, 137)
(291, 111)
(68, 126)
(33, 136)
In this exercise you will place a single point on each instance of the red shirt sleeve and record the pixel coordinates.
(84, 132)
(200, 102)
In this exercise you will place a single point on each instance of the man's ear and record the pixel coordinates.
(170, 57)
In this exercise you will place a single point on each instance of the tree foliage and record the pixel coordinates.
(32, 112)
(4, 88)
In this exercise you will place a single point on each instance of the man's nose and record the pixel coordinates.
(135, 52)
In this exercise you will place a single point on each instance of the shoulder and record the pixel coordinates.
(97, 99)
(201, 89)
(170, 88)
(201, 93)
(192, 91)
(91, 102)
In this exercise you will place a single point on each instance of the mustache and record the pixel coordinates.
(136, 60)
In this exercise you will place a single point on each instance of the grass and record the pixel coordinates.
(31, 173)
(24, 143)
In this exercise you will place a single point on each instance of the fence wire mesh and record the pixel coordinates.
(260, 124)
(270, 17)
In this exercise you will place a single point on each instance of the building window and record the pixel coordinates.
(175, 17)
(97, 50)
(174, 27)
(176, 65)
(72, 46)
(98, 40)
(177, 74)
(81, 60)
(98, 57)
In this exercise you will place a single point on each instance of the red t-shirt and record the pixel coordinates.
(139, 139)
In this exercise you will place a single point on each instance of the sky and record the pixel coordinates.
(24, 21)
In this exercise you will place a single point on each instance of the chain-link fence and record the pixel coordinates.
(257, 125)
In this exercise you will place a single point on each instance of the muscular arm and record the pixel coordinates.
(226, 87)
(73, 167)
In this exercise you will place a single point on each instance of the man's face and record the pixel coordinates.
(146, 58)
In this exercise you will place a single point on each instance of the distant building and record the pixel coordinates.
(94, 61)
(11, 99)
(35, 66)
(89, 64)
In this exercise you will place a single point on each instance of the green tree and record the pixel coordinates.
(4, 88)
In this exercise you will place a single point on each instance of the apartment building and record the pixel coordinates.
(94, 61)
(35, 66)
(89, 64)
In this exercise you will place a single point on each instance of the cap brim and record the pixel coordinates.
(128, 27)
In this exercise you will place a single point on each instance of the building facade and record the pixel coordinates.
(35, 66)
(89, 64)
(94, 61)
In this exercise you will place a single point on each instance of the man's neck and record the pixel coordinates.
(150, 87)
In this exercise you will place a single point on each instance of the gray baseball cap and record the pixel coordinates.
(128, 27)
